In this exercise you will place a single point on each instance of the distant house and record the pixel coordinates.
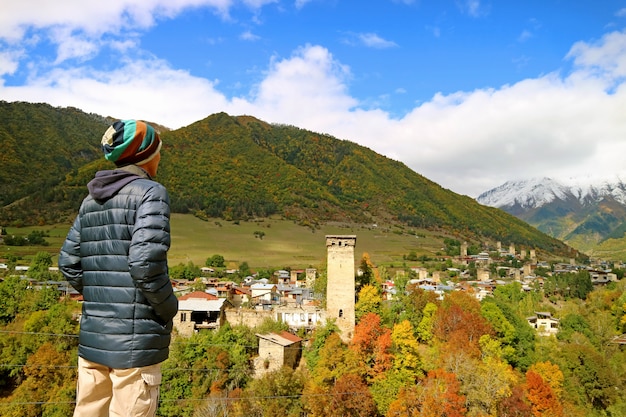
(240, 296)
(264, 294)
(277, 350)
(282, 276)
(199, 310)
(544, 323)
(301, 317)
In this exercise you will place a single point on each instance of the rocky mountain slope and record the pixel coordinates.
(587, 212)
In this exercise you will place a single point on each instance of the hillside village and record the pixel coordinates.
(288, 297)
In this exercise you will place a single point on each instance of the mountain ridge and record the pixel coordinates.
(586, 212)
(240, 167)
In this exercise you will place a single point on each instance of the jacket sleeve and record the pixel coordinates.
(69, 257)
(148, 252)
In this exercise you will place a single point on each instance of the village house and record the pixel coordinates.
(302, 317)
(199, 310)
(263, 295)
(389, 290)
(600, 277)
(240, 296)
(282, 277)
(544, 323)
(277, 350)
(291, 295)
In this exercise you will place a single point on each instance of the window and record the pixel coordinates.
(340, 313)
(183, 316)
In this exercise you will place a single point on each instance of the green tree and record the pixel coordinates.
(366, 269)
(40, 266)
(318, 340)
(13, 291)
(574, 323)
(588, 377)
(503, 328)
(425, 327)
(274, 394)
(244, 269)
(187, 271)
(216, 261)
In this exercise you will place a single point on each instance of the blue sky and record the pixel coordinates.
(468, 93)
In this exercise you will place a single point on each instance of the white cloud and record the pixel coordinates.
(524, 36)
(9, 61)
(472, 7)
(307, 90)
(249, 36)
(301, 3)
(374, 41)
(605, 58)
(148, 90)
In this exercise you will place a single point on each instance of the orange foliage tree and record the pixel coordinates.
(372, 344)
(458, 322)
(438, 395)
(544, 403)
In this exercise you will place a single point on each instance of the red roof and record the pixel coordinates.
(198, 295)
(289, 336)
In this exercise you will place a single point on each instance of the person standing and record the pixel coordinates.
(115, 255)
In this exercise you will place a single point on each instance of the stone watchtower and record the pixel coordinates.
(340, 287)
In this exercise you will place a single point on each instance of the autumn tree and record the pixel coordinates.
(351, 397)
(372, 344)
(542, 398)
(437, 395)
(551, 374)
(335, 360)
(48, 387)
(459, 324)
(368, 301)
(515, 405)
(406, 349)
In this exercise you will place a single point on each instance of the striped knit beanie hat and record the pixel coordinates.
(129, 142)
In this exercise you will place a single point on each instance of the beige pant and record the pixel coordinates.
(104, 392)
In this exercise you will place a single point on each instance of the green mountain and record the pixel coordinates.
(241, 168)
(40, 143)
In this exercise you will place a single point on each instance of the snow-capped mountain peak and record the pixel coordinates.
(537, 192)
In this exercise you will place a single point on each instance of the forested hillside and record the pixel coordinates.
(39, 144)
(239, 168)
(415, 355)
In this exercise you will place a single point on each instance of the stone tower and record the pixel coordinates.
(340, 287)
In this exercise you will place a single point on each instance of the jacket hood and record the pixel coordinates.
(109, 182)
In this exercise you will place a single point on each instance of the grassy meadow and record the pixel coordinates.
(264, 243)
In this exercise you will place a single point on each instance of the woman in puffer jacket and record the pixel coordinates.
(115, 255)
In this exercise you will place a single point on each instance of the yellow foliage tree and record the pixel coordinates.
(551, 374)
(369, 301)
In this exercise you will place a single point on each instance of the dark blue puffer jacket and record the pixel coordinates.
(115, 255)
